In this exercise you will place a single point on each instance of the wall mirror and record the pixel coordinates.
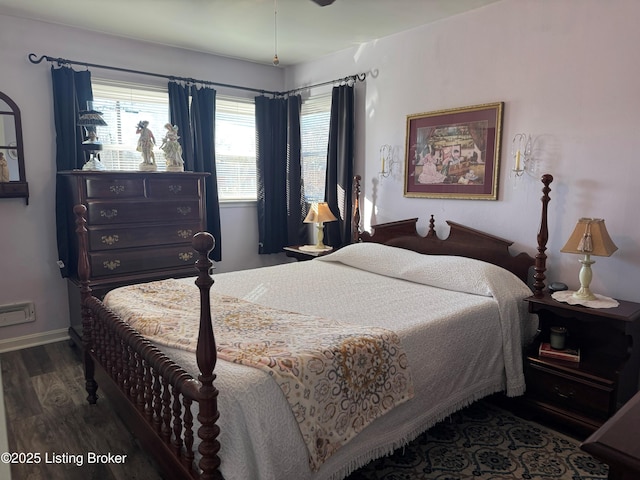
(12, 178)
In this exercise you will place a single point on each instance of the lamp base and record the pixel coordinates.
(584, 294)
(585, 279)
(93, 164)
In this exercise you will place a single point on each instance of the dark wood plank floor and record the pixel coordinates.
(47, 414)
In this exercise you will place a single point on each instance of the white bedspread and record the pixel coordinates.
(461, 346)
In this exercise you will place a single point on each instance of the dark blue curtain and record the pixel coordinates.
(179, 115)
(203, 107)
(338, 183)
(196, 128)
(71, 92)
(281, 207)
(297, 232)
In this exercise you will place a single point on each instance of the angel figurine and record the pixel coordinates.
(172, 149)
(146, 142)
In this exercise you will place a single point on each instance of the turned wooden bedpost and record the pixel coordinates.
(355, 217)
(543, 237)
(84, 273)
(208, 414)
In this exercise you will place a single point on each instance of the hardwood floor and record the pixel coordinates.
(47, 414)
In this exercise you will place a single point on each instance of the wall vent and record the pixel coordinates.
(17, 313)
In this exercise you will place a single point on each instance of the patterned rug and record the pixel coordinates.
(485, 442)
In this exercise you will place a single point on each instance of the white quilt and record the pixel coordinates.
(462, 323)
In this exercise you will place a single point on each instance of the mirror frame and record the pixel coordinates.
(19, 188)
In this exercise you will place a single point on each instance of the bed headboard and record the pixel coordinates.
(463, 241)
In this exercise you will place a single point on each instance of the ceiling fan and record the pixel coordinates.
(323, 3)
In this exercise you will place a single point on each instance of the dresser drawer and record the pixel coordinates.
(109, 187)
(115, 212)
(569, 392)
(116, 237)
(168, 187)
(127, 261)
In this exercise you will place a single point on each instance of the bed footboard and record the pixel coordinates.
(155, 396)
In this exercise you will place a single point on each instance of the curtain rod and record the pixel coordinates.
(33, 58)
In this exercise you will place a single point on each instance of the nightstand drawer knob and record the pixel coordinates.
(561, 394)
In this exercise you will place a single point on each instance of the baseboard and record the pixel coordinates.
(5, 468)
(33, 340)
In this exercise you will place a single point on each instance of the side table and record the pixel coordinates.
(583, 395)
(303, 255)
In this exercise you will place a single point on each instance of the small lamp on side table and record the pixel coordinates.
(319, 214)
(590, 237)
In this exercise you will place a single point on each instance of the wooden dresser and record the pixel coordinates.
(140, 226)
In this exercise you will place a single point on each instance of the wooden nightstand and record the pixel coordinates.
(583, 395)
(303, 255)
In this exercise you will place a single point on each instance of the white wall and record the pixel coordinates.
(28, 234)
(567, 72)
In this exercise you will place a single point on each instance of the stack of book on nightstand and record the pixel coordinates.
(569, 354)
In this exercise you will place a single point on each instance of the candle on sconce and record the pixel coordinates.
(518, 160)
(382, 158)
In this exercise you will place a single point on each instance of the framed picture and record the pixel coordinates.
(454, 153)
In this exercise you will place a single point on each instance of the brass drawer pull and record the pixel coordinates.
(175, 188)
(110, 239)
(117, 189)
(567, 396)
(184, 210)
(109, 213)
(111, 264)
(185, 233)
(185, 256)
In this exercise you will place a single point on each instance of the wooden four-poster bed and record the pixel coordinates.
(192, 411)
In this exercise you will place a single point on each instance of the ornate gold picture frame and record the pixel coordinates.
(454, 153)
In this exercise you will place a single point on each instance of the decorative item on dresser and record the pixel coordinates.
(90, 119)
(583, 394)
(140, 226)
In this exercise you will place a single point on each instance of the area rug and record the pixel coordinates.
(485, 442)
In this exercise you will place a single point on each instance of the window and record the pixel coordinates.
(124, 105)
(314, 125)
(236, 149)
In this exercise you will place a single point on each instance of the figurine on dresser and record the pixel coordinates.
(172, 149)
(146, 142)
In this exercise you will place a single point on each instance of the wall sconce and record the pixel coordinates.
(387, 161)
(521, 149)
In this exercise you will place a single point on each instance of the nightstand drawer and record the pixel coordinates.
(573, 393)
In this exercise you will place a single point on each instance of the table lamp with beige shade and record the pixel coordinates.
(319, 214)
(590, 237)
